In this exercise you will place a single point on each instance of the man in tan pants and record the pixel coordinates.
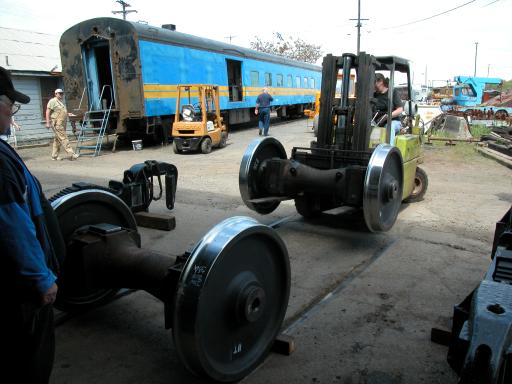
(57, 114)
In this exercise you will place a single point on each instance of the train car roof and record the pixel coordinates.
(157, 34)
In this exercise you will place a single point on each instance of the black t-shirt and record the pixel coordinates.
(381, 102)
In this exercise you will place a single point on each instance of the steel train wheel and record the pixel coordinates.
(231, 299)
(259, 149)
(74, 211)
(383, 188)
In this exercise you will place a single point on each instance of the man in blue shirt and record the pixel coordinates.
(27, 260)
(263, 110)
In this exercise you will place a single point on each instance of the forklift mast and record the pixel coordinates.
(346, 124)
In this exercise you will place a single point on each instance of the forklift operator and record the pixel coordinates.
(381, 105)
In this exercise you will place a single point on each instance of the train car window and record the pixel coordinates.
(268, 79)
(289, 81)
(279, 80)
(305, 82)
(255, 79)
(312, 83)
(297, 81)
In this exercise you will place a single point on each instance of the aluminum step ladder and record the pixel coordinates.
(93, 127)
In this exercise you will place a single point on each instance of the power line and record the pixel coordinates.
(431, 17)
(492, 2)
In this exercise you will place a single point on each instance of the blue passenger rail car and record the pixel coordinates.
(143, 65)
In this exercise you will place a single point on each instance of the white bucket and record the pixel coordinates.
(137, 145)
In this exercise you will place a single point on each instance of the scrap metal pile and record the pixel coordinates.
(504, 99)
(500, 139)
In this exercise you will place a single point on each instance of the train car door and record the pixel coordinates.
(98, 73)
(234, 79)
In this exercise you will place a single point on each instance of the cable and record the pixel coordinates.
(431, 17)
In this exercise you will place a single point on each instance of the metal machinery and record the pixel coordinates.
(137, 188)
(199, 124)
(350, 162)
(480, 343)
(225, 300)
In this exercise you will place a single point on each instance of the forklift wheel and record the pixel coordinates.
(206, 145)
(420, 186)
(175, 147)
(223, 139)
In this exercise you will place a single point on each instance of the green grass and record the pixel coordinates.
(461, 151)
(478, 130)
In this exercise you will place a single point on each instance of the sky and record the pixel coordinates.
(438, 48)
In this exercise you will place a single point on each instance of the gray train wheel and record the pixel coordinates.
(259, 149)
(75, 211)
(383, 188)
(231, 299)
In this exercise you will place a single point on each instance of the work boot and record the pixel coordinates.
(75, 156)
(260, 132)
(58, 158)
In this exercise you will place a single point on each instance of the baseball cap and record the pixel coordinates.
(7, 89)
(58, 90)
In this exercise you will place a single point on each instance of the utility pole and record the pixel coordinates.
(230, 37)
(359, 25)
(488, 68)
(476, 54)
(124, 11)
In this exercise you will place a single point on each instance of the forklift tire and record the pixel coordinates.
(420, 186)
(307, 207)
(175, 148)
(223, 140)
(206, 145)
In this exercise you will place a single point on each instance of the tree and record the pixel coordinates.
(292, 48)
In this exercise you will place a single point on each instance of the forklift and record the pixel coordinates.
(198, 124)
(352, 162)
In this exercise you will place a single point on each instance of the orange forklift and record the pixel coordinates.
(198, 124)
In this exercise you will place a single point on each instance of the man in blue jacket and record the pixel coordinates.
(27, 260)
(263, 109)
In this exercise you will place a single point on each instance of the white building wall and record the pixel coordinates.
(30, 116)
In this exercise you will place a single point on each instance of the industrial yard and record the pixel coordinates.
(362, 304)
(320, 196)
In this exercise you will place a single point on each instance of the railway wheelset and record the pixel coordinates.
(225, 300)
(354, 161)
